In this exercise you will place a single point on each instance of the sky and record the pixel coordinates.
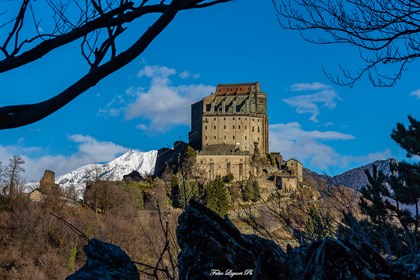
(146, 105)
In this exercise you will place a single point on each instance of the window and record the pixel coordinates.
(239, 118)
(246, 119)
(205, 127)
(258, 120)
(215, 138)
(258, 129)
(225, 136)
(206, 137)
(253, 129)
(233, 127)
(214, 127)
(224, 126)
(234, 118)
(245, 137)
(214, 118)
(233, 136)
(246, 127)
(224, 119)
(239, 127)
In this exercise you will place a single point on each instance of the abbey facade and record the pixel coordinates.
(229, 128)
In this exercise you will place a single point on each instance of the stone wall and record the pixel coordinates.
(210, 166)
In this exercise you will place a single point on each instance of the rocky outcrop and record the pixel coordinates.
(334, 259)
(213, 248)
(105, 261)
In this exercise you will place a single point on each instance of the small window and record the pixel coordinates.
(206, 137)
(233, 127)
(245, 137)
(258, 129)
(224, 119)
(205, 127)
(233, 117)
(225, 136)
(215, 138)
(224, 126)
(258, 120)
(253, 130)
(246, 127)
(239, 127)
(233, 136)
(258, 138)
(214, 118)
(214, 127)
(239, 118)
(246, 119)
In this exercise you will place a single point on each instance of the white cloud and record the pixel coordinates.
(308, 86)
(89, 150)
(416, 93)
(309, 147)
(310, 103)
(186, 74)
(162, 104)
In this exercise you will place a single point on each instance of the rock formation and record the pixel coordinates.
(105, 261)
(212, 246)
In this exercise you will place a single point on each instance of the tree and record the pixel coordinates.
(13, 174)
(318, 225)
(386, 32)
(217, 197)
(97, 25)
(387, 200)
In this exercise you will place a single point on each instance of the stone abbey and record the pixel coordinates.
(229, 128)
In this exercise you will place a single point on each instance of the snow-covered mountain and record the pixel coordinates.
(143, 162)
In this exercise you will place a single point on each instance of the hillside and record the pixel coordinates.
(353, 178)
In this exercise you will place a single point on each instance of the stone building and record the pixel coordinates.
(233, 118)
(229, 128)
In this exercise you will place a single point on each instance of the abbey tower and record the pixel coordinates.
(232, 119)
(229, 129)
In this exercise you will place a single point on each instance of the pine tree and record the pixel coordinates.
(217, 197)
(318, 225)
(386, 198)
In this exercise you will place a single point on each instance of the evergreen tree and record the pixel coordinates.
(318, 225)
(217, 197)
(386, 199)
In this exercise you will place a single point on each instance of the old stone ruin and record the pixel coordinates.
(47, 188)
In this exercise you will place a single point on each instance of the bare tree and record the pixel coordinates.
(96, 25)
(386, 33)
(13, 174)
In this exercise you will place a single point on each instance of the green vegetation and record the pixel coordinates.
(318, 225)
(217, 197)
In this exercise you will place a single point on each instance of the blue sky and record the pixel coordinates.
(146, 105)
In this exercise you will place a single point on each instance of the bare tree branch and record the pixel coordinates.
(112, 21)
(387, 33)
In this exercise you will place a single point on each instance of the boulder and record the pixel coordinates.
(105, 261)
(213, 248)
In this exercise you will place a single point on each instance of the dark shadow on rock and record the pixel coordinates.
(105, 261)
(213, 248)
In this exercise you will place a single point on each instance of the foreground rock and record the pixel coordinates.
(213, 248)
(105, 261)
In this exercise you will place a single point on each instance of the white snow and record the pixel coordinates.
(143, 162)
